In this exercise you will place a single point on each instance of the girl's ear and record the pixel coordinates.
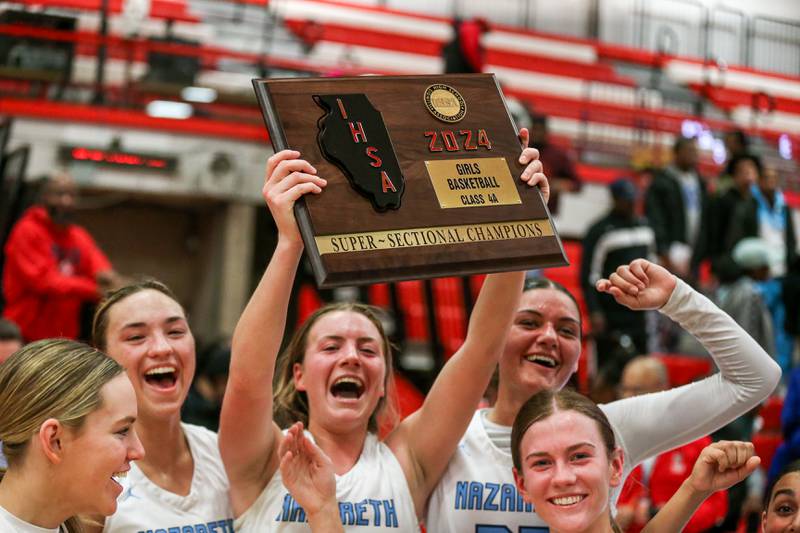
(616, 466)
(519, 481)
(50, 436)
(297, 373)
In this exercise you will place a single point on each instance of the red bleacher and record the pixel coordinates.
(451, 316)
(769, 436)
(683, 369)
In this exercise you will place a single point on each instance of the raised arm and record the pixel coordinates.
(425, 441)
(747, 373)
(720, 465)
(248, 437)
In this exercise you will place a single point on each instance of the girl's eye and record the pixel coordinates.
(135, 337)
(580, 456)
(540, 463)
(177, 332)
(569, 332)
(528, 323)
(369, 351)
(124, 431)
(329, 348)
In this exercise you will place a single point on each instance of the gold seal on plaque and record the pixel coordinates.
(445, 103)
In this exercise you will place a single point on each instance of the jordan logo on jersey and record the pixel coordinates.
(379, 513)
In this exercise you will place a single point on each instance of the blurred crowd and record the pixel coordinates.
(732, 237)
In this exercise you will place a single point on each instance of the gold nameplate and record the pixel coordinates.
(436, 236)
(475, 182)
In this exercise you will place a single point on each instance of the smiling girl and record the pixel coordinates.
(567, 461)
(181, 482)
(477, 491)
(335, 377)
(67, 431)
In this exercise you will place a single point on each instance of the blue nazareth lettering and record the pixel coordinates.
(364, 513)
(220, 526)
(478, 496)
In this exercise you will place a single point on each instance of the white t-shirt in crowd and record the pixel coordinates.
(373, 496)
(144, 506)
(477, 491)
(11, 524)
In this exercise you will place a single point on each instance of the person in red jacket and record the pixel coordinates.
(652, 483)
(52, 266)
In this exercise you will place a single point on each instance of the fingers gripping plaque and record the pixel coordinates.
(353, 136)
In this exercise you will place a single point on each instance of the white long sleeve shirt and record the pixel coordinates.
(477, 492)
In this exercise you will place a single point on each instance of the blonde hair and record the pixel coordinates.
(291, 405)
(52, 378)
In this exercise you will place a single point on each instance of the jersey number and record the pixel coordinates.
(503, 529)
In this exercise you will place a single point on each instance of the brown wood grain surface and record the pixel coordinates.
(292, 116)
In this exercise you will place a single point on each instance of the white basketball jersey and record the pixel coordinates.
(373, 496)
(11, 524)
(477, 493)
(143, 506)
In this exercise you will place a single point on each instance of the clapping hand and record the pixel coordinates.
(307, 472)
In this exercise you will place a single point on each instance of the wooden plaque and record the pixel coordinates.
(423, 177)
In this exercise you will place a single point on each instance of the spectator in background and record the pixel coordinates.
(652, 483)
(677, 208)
(764, 214)
(741, 297)
(730, 208)
(789, 450)
(737, 144)
(204, 402)
(10, 339)
(465, 53)
(556, 162)
(755, 208)
(52, 265)
(616, 239)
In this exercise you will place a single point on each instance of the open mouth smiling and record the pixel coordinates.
(566, 501)
(162, 377)
(347, 388)
(119, 477)
(542, 360)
